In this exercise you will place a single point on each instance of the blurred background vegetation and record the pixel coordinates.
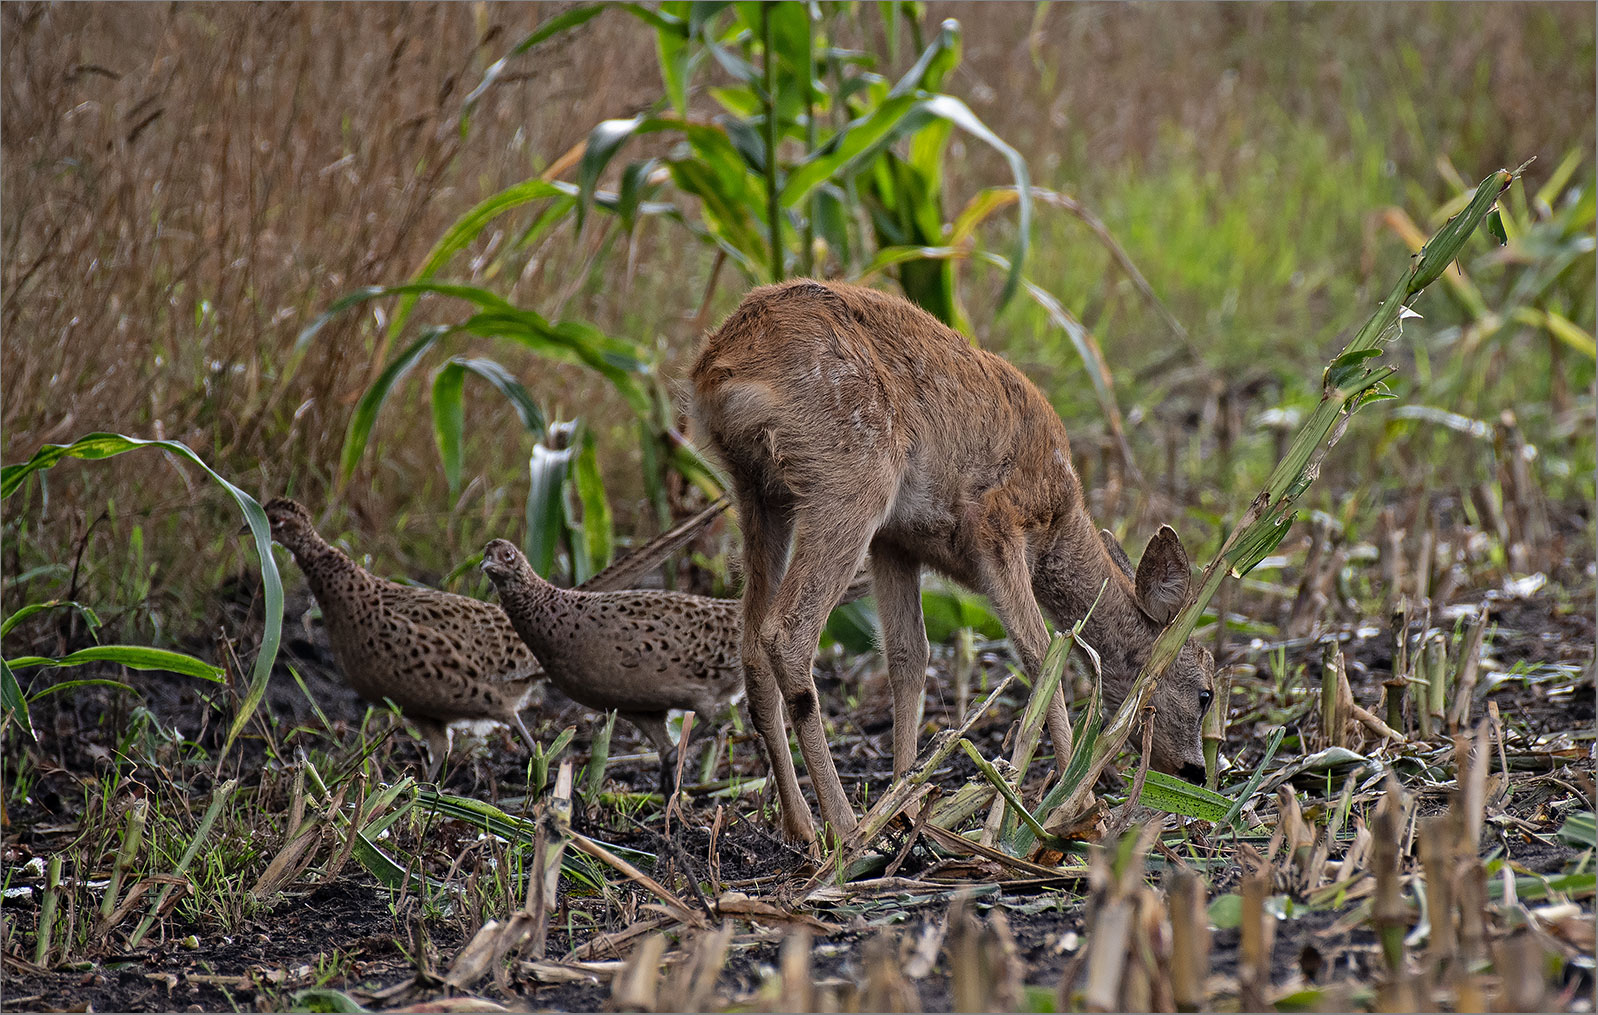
(190, 187)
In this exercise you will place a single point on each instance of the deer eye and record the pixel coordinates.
(1205, 697)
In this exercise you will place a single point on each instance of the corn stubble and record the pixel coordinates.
(1142, 947)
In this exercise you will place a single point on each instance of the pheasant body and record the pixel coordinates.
(640, 652)
(440, 657)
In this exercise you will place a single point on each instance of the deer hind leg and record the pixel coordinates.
(896, 580)
(829, 544)
(766, 533)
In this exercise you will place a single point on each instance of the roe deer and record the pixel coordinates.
(848, 420)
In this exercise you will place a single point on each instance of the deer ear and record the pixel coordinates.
(1162, 577)
(1117, 554)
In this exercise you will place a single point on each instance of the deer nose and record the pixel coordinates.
(1192, 773)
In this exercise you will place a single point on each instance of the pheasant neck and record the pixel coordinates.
(325, 566)
(524, 600)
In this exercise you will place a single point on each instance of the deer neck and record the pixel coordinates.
(1077, 575)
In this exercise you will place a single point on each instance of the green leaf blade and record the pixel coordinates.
(449, 420)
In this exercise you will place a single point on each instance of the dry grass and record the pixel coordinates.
(188, 185)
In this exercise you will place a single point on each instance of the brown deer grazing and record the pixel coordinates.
(850, 420)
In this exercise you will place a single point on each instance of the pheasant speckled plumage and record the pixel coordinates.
(639, 652)
(440, 657)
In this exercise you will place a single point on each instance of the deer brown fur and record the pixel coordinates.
(850, 420)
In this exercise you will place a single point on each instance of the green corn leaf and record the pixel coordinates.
(1441, 250)
(512, 829)
(725, 213)
(700, 13)
(747, 142)
(469, 227)
(853, 147)
(1246, 555)
(852, 625)
(134, 657)
(672, 53)
(658, 20)
(89, 616)
(562, 740)
(569, 341)
(790, 28)
(859, 143)
(603, 142)
(547, 469)
(1088, 736)
(888, 257)
(947, 608)
(563, 198)
(1032, 715)
(737, 67)
(831, 219)
(68, 685)
(564, 21)
(934, 63)
(449, 420)
(325, 999)
(1346, 368)
(505, 383)
(1537, 887)
(634, 182)
(598, 531)
(352, 298)
(1087, 350)
(1495, 227)
(1174, 796)
(14, 704)
(649, 450)
(1579, 830)
(449, 408)
(366, 410)
(947, 107)
(1241, 800)
(105, 445)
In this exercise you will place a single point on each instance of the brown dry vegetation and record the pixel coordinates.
(188, 186)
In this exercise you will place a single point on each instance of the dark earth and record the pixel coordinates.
(357, 936)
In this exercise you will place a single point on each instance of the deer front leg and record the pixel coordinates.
(896, 581)
(1009, 587)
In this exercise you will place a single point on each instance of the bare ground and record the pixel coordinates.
(387, 948)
